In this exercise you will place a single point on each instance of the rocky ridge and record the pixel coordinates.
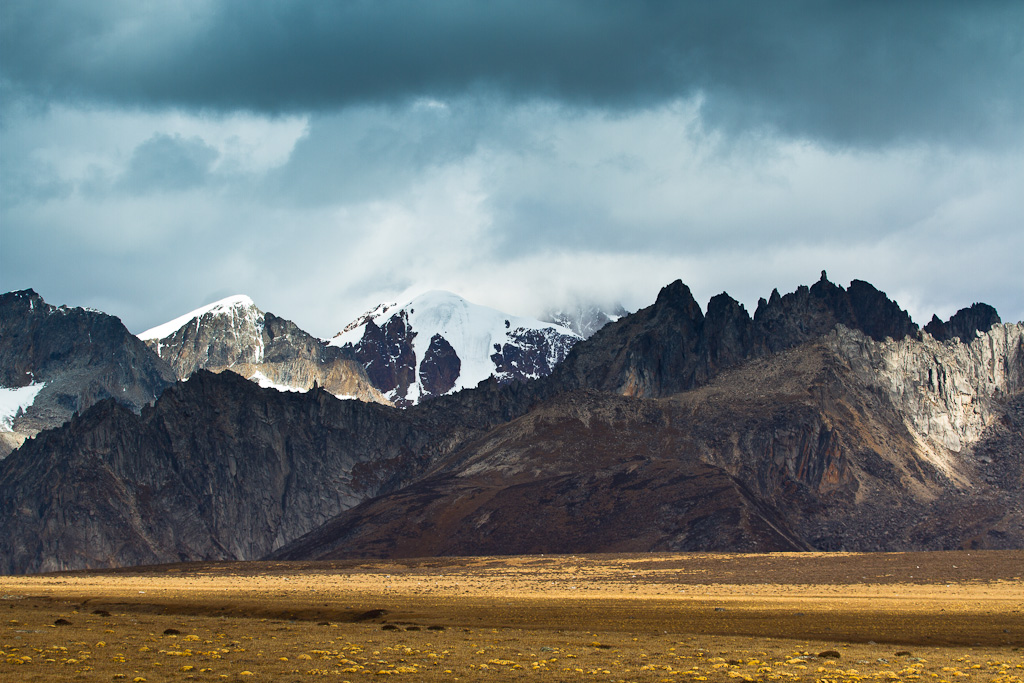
(673, 345)
(233, 334)
(965, 324)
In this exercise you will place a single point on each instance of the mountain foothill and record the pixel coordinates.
(827, 420)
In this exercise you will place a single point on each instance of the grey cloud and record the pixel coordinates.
(529, 202)
(30, 181)
(168, 163)
(366, 153)
(848, 73)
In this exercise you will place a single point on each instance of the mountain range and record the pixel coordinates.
(826, 420)
(59, 361)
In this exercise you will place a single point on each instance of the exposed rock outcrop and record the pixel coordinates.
(949, 393)
(584, 472)
(796, 450)
(965, 324)
(809, 312)
(842, 427)
(673, 346)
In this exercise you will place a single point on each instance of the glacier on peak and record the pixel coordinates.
(439, 343)
(14, 400)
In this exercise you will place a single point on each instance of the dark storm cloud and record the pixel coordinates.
(168, 162)
(365, 153)
(847, 72)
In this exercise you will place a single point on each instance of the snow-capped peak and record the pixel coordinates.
(439, 342)
(225, 306)
(442, 312)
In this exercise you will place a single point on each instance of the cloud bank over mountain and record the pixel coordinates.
(341, 154)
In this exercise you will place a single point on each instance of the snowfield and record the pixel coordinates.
(13, 400)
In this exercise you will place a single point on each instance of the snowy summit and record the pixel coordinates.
(226, 306)
(439, 343)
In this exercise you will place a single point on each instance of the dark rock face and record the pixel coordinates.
(651, 353)
(727, 334)
(508, 348)
(965, 324)
(529, 354)
(386, 353)
(809, 312)
(583, 473)
(876, 315)
(440, 367)
(787, 453)
(83, 357)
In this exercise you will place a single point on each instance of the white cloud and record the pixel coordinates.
(79, 144)
(319, 218)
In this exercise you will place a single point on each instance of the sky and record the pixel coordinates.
(324, 157)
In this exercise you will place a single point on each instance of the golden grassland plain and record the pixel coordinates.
(949, 617)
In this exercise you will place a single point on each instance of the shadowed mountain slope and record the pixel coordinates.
(965, 324)
(218, 468)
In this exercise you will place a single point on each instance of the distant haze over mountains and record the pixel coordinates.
(584, 319)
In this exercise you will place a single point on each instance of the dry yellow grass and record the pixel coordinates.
(947, 617)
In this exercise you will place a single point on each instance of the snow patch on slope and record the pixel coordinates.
(223, 307)
(17, 399)
(267, 383)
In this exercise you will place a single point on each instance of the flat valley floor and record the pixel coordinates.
(950, 617)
